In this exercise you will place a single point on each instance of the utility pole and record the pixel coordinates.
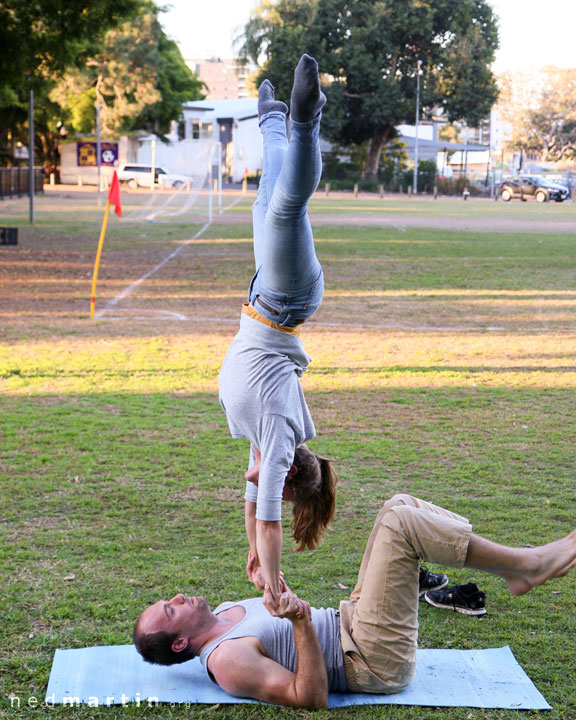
(466, 150)
(98, 146)
(31, 179)
(153, 163)
(415, 182)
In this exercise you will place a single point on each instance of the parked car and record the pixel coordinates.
(527, 186)
(139, 175)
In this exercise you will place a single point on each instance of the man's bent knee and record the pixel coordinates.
(399, 499)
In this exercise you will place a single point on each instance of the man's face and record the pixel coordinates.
(183, 615)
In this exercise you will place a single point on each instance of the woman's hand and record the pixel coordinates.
(256, 576)
(254, 571)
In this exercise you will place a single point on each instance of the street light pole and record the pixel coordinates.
(153, 163)
(415, 182)
(31, 178)
(98, 148)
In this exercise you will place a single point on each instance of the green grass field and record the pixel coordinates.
(443, 366)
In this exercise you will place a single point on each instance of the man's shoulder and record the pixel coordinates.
(234, 653)
(227, 648)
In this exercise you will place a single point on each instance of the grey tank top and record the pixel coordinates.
(276, 636)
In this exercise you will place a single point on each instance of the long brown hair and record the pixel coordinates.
(314, 488)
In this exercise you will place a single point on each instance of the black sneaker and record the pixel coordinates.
(431, 581)
(466, 599)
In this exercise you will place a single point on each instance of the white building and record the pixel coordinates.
(233, 123)
(452, 158)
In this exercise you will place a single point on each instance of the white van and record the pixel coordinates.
(138, 175)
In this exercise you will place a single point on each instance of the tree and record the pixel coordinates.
(39, 40)
(136, 72)
(176, 84)
(138, 75)
(449, 133)
(368, 53)
(544, 117)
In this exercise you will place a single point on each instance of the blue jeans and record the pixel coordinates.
(288, 285)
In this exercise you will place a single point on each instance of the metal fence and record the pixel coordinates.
(14, 181)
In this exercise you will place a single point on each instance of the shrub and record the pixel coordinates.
(457, 185)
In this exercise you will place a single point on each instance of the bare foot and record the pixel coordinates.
(555, 559)
(517, 584)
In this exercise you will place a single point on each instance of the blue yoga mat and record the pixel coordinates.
(116, 675)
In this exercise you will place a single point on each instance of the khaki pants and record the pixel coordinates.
(379, 624)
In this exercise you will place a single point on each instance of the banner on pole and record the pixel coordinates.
(114, 194)
(86, 154)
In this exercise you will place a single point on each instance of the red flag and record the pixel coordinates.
(114, 194)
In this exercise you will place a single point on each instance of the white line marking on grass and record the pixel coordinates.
(135, 284)
(112, 304)
(234, 203)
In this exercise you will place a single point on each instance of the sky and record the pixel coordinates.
(532, 33)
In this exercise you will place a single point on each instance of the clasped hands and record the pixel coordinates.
(287, 605)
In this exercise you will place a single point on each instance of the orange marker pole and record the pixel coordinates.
(113, 199)
(97, 263)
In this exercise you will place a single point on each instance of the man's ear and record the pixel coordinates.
(293, 470)
(180, 644)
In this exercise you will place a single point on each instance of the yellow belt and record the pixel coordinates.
(251, 311)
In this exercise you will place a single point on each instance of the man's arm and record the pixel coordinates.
(242, 669)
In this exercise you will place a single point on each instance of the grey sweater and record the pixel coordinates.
(261, 395)
(277, 637)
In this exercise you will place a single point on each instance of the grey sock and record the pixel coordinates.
(266, 102)
(307, 99)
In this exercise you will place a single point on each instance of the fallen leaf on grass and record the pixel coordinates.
(70, 577)
(342, 587)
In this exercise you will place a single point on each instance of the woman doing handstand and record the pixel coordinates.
(259, 382)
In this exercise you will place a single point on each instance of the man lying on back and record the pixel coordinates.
(288, 653)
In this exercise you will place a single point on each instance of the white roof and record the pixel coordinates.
(238, 109)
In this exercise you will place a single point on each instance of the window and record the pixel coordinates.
(200, 130)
